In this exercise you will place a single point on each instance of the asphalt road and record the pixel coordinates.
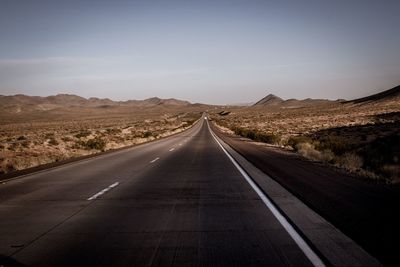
(178, 201)
(365, 211)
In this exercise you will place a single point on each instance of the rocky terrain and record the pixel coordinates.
(40, 130)
(361, 135)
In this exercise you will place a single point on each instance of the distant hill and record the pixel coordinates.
(277, 102)
(269, 100)
(385, 96)
(23, 103)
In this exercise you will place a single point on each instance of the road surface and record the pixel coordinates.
(178, 201)
(363, 210)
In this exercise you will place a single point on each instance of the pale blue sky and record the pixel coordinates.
(203, 51)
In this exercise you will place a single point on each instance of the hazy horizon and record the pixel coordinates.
(215, 53)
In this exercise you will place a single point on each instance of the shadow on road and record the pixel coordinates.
(10, 262)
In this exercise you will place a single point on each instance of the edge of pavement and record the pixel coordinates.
(19, 174)
(331, 244)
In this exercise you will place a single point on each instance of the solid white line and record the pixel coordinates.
(154, 160)
(310, 254)
(172, 149)
(103, 191)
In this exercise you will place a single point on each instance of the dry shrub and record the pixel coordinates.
(256, 135)
(53, 142)
(95, 143)
(66, 139)
(83, 133)
(392, 171)
(350, 161)
(308, 150)
(294, 141)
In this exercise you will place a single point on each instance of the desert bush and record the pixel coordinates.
(308, 150)
(53, 142)
(336, 144)
(256, 135)
(382, 156)
(392, 171)
(146, 134)
(113, 131)
(294, 141)
(49, 135)
(25, 143)
(13, 146)
(21, 138)
(66, 139)
(7, 167)
(95, 143)
(190, 122)
(268, 138)
(350, 161)
(83, 133)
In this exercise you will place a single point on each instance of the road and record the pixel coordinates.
(177, 201)
(363, 210)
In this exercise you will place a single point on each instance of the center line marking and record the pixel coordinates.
(172, 149)
(154, 160)
(103, 191)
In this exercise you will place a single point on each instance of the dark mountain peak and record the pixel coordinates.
(269, 100)
(153, 100)
(65, 99)
(388, 95)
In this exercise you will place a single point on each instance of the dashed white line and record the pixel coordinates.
(172, 149)
(103, 191)
(154, 160)
(307, 250)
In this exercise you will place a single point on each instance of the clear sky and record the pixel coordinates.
(215, 52)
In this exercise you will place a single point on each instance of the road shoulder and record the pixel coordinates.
(332, 245)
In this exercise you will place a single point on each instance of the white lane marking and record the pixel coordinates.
(310, 254)
(103, 191)
(172, 149)
(154, 160)
(180, 144)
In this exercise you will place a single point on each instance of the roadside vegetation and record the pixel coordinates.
(364, 140)
(30, 141)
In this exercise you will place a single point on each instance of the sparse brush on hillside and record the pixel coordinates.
(378, 159)
(363, 139)
(256, 135)
(83, 133)
(30, 141)
(95, 143)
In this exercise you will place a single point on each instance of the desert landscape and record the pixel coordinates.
(361, 136)
(199, 133)
(41, 130)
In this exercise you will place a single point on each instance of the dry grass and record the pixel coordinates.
(35, 139)
(359, 138)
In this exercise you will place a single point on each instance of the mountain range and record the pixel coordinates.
(23, 103)
(385, 97)
(20, 103)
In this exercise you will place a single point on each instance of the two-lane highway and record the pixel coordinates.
(178, 201)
